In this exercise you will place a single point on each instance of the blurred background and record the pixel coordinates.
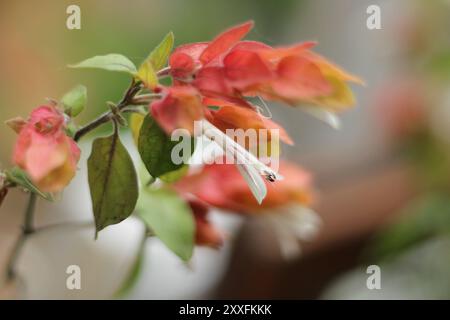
(383, 179)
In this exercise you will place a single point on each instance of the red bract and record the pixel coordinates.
(179, 108)
(44, 151)
(187, 58)
(230, 116)
(230, 69)
(205, 233)
(213, 79)
(222, 186)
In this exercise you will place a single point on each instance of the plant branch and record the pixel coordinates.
(163, 72)
(104, 118)
(27, 229)
(145, 99)
(107, 116)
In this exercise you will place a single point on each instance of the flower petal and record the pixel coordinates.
(225, 41)
(254, 181)
(300, 79)
(245, 68)
(211, 82)
(184, 59)
(231, 117)
(205, 233)
(179, 108)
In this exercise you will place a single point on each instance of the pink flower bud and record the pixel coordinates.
(44, 150)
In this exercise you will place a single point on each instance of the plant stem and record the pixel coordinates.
(27, 229)
(163, 72)
(29, 214)
(104, 118)
(107, 116)
(145, 99)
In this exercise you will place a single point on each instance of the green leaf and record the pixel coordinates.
(160, 54)
(156, 60)
(132, 278)
(20, 178)
(439, 64)
(155, 148)
(170, 219)
(425, 217)
(175, 175)
(112, 181)
(148, 75)
(135, 121)
(74, 101)
(110, 62)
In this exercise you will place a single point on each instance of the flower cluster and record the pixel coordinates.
(221, 186)
(215, 84)
(222, 73)
(226, 70)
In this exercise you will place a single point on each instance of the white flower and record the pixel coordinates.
(251, 168)
(293, 224)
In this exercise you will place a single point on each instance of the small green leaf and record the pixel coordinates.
(148, 75)
(160, 54)
(170, 219)
(74, 101)
(20, 178)
(155, 148)
(111, 62)
(112, 181)
(156, 60)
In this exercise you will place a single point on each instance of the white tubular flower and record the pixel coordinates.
(293, 224)
(254, 181)
(249, 166)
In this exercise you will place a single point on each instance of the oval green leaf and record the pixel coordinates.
(170, 219)
(112, 181)
(110, 62)
(160, 54)
(156, 60)
(155, 148)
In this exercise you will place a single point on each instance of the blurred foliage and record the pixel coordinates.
(439, 64)
(431, 160)
(426, 217)
(169, 218)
